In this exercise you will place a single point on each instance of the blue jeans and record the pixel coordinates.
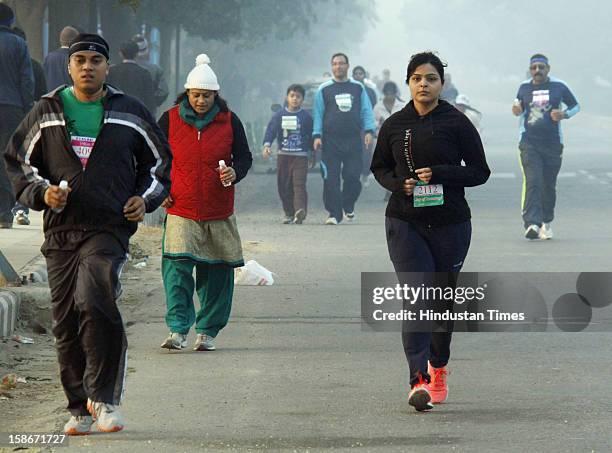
(420, 248)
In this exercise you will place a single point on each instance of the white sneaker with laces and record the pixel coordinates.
(350, 216)
(331, 221)
(546, 231)
(78, 425)
(107, 416)
(21, 218)
(300, 215)
(532, 232)
(204, 343)
(175, 341)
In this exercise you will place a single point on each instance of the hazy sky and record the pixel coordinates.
(487, 44)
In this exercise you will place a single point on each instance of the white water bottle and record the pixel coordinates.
(63, 185)
(221, 167)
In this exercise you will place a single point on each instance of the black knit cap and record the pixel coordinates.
(90, 42)
(7, 16)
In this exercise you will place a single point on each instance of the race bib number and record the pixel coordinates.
(541, 98)
(289, 123)
(344, 102)
(82, 147)
(428, 195)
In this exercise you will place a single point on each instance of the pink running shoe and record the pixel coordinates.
(438, 387)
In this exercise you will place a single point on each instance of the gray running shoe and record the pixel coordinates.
(175, 341)
(21, 218)
(78, 425)
(107, 416)
(300, 215)
(204, 343)
(546, 232)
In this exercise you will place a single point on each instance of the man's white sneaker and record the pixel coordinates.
(175, 341)
(331, 221)
(107, 416)
(350, 216)
(300, 215)
(78, 425)
(532, 232)
(21, 218)
(204, 343)
(546, 231)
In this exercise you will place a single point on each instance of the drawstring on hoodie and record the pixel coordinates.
(429, 115)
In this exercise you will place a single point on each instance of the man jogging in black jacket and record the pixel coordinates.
(116, 161)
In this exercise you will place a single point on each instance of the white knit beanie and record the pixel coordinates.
(202, 77)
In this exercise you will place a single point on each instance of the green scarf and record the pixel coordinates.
(191, 117)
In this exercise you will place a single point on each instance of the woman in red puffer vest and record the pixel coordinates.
(200, 229)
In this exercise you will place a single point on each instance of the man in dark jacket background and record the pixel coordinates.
(131, 78)
(88, 224)
(56, 62)
(160, 86)
(20, 211)
(16, 98)
(40, 80)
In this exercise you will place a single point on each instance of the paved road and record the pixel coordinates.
(295, 371)
(21, 244)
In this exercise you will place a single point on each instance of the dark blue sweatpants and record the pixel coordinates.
(540, 164)
(420, 248)
(336, 164)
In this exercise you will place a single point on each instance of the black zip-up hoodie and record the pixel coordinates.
(440, 140)
(131, 156)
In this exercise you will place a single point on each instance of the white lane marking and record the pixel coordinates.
(503, 175)
(563, 174)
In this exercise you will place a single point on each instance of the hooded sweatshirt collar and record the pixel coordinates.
(442, 106)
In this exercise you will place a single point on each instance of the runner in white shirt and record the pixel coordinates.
(389, 104)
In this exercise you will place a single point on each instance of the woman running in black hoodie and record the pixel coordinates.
(419, 158)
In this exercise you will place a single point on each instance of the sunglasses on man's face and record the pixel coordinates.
(537, 67)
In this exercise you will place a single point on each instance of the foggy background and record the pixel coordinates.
(487, 46)
(259, 47)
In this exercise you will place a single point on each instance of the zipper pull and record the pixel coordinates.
(199, 135)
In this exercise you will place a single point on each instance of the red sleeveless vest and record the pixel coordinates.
(196, 187)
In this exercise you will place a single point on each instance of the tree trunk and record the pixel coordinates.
(30, 15)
